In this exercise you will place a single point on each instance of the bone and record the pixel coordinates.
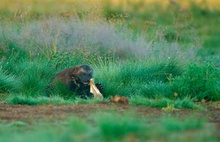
(94, 90)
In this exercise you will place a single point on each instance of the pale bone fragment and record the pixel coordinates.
(94, 90)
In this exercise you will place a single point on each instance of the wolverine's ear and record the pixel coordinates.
(75, 70)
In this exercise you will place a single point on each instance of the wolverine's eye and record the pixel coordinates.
(82, 74)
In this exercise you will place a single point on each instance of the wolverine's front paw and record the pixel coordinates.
(99, 86)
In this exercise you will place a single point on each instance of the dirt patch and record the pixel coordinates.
(29, 113)
(36, 113)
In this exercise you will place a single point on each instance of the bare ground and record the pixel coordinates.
(28, 113)
(32, 114)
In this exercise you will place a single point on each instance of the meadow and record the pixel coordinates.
(158, 54)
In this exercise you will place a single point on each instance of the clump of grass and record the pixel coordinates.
(53, 99)
(17, 124)
(133, 77)
(198, 82)
(33, 77)
(61, 90)
(164, 102)
(78, 56)
(11, 57)
(143, 101)
(176, 125)
(7, 82)
(156, 89)
(117, 127)
(29, 100)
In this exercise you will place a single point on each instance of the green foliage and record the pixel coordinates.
(7, 82)
(61, 90)
(78, 56)
(198, 82)
(28, 100)
(176, 125)
(42, 100)
(164, 102)
(114, 126)
(139, 52)
(33, 76)
(131, 55)
(110, 127)
(156, 89)
(17, 124)
(134, 77)
(11, 58)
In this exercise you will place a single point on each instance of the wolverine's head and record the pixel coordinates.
(83, 73)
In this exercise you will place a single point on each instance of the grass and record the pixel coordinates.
(199, 82)
(134, 67)
(110, 127)
(21, 99)
(121, 126)
(173, 124)
(42, 100)
(6, 82)
(163, 55)
(164, 102)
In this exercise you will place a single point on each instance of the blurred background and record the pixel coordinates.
(175, 20)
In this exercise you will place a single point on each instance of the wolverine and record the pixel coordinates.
(76, 79)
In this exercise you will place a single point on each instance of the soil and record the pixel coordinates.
(32, 114)
(28, 113)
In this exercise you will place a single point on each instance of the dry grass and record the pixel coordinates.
(25, 7)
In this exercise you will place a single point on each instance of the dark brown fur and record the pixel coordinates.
(78, 74)
(76, 79)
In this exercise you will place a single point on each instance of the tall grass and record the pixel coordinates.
(7, 82)
(199, 82)
(126, 60)
(54, 35)
(132, 77)
(126, 66)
